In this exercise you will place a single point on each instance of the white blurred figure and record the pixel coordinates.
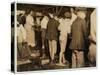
(30, 34)
(21, 33)
(92, 37)
(65, 29)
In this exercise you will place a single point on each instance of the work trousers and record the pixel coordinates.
(52, 48)
(77, 59)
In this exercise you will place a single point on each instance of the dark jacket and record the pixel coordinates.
(79, 34)
(52, 29)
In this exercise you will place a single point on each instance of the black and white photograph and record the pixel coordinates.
(50, 37)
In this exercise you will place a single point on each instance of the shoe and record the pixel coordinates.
(61, 64)
(43, 56)
(52, 62)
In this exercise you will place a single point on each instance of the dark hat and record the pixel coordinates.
(55, 14)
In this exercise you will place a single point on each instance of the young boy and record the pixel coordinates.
(65, 29)
(44, 23)
(21, 42)
(52, 36)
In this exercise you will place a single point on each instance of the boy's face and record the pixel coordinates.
(55, 17)
(67, 14)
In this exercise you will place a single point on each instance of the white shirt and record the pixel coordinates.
(44, 22)
(29, 20)
(93, 26)
(73, 17)
(38, 21)
(65, 25)
(21, 34)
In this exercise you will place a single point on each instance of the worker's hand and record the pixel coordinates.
(51, 15)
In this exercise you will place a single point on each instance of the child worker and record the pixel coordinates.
(65, 29)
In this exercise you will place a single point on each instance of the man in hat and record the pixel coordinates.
(78, 39)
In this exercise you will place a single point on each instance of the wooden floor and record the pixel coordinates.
(38, 63)
(33, 66)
